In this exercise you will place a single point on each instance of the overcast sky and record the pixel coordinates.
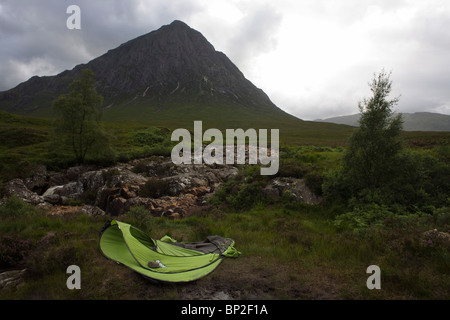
(314, 58)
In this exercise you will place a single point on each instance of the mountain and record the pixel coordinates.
(170, 66)
(171, 77)
(418, 121)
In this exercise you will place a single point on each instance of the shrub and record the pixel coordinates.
(139, 217)
(314, 181)
(12, 251)
(442, 217)
(363, 217)
(141, 167)
(15, 208)
(248, 196)
(291, 168)
(419, 182)
(148, 137)
(47, 260)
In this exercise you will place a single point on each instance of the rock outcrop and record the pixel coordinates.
(11, 279)
(159, 186)
(294, 188)
(115, 190)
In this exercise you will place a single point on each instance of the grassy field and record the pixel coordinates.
(289, 250)
(287, 253)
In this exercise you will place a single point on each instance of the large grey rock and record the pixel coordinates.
(92, 211)
(13, 278)
(17, 187)
(295, 188)
(38, 182)
(72, 190)
(125, 178)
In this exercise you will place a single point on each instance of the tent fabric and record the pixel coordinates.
(164, 259)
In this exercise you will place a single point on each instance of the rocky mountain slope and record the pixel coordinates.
(174, 64)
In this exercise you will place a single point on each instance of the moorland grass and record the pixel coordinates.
(302, 242)
(289, 250)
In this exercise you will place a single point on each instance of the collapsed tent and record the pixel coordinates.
(164, 259)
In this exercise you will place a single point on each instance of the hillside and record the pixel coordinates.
(418, 121)
(171, 67)
(169, 78)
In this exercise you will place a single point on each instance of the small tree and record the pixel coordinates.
(371, 160)
(78, 124)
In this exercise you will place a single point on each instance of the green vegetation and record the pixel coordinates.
(78, 125)
(317, 259)
(372, 157)
(27, 142)
(379, 178)
(390, 208)
(323, 251)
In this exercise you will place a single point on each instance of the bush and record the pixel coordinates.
(48, 260)
(336, 187)
(15, 208)
(420, 181)
(248, 196)
(314, 181)
(148, 137)
(442, 218)
(12, 251)
(291, 168)
(139, 217)
(242, 192)
(363, 217)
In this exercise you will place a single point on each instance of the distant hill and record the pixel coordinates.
(418, 121)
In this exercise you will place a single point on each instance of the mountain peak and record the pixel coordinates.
(179, 24)
(172, 63)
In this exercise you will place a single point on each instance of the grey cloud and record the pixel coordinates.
(35, 40)
(254, 34)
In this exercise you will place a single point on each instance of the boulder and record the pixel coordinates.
(297, 189)
(74, 173)
(200, 191)
(127, 192)
(92, 211)
(117, 207)
(17, 187)
(435, 237)
(226, 172)
(72, 190)
(93, 180)
(53, 199)
(167, 206)
(271, 192)
(147, 203)
(13, 278)
(125, 178)
(38, 182)
(105, 196)
(50, 191)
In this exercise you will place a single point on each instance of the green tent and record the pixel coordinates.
(164, 259)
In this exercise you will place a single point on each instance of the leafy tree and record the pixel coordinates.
(371, 163)
(371, 160)
(79, 118)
